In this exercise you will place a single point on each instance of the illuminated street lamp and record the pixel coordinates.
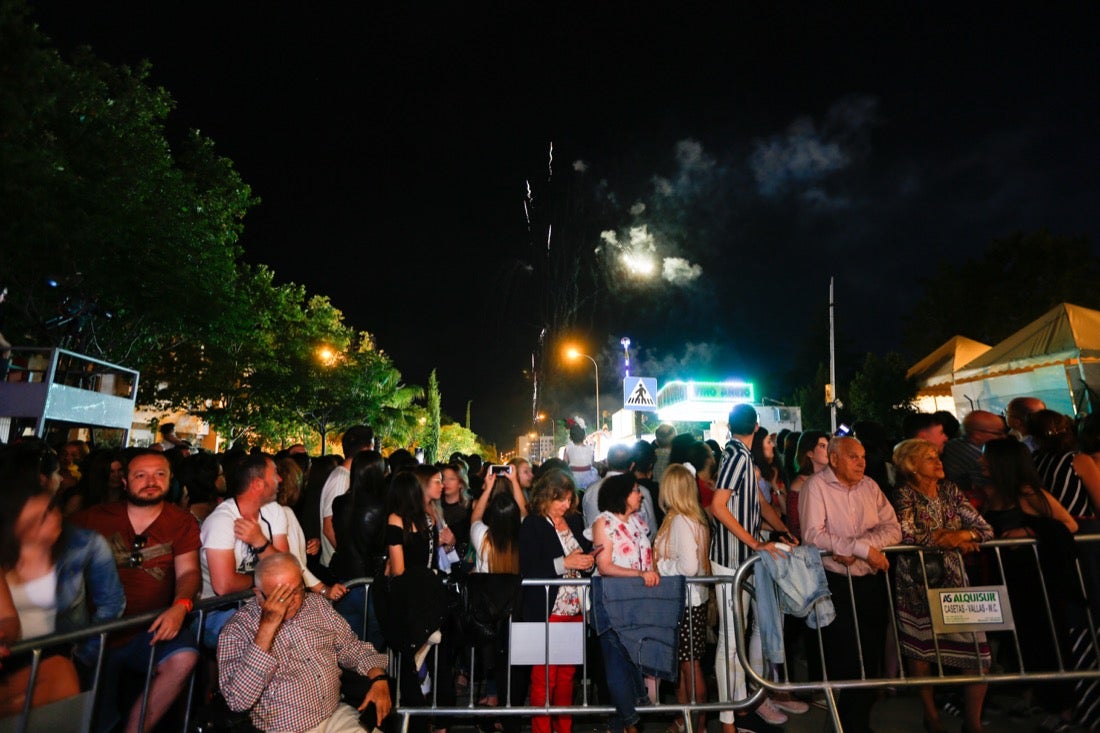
(574, 354)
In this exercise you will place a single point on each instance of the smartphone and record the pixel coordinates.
(843, 430)
(499, 470)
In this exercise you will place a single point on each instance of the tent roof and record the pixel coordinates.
(1060, 334)
(942, 363)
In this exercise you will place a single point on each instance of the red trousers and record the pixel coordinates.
(560, 686)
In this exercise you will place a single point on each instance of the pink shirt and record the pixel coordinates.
(846, 521)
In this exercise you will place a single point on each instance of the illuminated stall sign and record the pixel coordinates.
(701, 401)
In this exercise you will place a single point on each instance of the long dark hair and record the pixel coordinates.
(1012, 472)
(807, 442)
(16, 495)
(368, 477)
(407, 502)
(502, 542)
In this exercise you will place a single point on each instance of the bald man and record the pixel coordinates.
(263, 667)
(960, 456)
(1017, 412)
(844, 512)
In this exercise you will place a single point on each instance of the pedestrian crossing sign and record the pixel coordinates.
(640, 393)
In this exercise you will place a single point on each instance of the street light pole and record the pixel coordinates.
(574, 353)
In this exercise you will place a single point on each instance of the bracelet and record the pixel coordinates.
(261, 548)
(187, 603)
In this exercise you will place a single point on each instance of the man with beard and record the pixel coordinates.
(156, 546)
(237, 534)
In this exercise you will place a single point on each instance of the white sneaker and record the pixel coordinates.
(770, 713)
(790, 705)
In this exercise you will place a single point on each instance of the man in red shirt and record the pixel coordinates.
(156, 546)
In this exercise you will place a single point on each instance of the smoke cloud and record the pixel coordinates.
(807, 153)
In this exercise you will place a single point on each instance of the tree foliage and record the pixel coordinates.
(1014, 281)
(92, 185)
(810, 399)
(880, 391)
(432, 445)
(142, 233)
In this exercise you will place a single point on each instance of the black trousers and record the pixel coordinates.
(842, 662)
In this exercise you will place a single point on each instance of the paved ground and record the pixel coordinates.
(891, 714)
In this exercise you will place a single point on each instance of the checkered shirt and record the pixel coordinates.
(297, 685)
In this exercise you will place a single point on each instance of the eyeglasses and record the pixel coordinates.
(136, 558)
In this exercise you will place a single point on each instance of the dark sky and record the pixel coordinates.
(750, 152)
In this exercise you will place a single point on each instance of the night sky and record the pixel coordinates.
(751, 152)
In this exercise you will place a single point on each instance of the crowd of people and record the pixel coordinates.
(93, 535)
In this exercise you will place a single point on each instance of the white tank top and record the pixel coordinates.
(36, 604)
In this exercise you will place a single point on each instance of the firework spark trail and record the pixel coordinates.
(550, 163)
(549, 231)
(527, 205)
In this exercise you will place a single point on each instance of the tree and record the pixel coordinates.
(1015, 280)
(432, 444)
(880, 391)
(455, 438)
(811, 399)
(88, 181)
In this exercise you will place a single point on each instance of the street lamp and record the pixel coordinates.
(574, 354)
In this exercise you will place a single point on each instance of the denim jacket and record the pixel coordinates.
(86, 570)
(645, 619)
(792, 584)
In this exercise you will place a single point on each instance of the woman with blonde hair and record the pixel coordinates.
(934, 513)
(681, 548)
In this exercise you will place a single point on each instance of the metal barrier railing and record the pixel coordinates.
(868, 680)
(759, 685)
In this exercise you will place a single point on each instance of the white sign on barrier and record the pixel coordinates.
(980, 608)
(528, 643)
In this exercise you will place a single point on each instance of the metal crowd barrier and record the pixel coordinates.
(996, 549)
(36, 646)
(758, 685)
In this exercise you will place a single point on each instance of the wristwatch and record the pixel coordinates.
(261, 548)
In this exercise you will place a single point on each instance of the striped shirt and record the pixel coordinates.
(1059, 478)
(735, 474)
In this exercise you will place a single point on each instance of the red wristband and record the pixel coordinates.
(185, 602)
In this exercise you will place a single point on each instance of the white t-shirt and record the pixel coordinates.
(217, 534)
(337, 484)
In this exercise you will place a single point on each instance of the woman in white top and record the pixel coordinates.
(581, 458)
(681, 548)
(29, 555)
(494, 525)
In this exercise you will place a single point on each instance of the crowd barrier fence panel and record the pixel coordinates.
(995, 550)
(759, 685)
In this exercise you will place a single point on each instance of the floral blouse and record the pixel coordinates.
(630, 546)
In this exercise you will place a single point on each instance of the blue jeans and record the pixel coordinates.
(128, 663)
(624, 683)
(350, 607)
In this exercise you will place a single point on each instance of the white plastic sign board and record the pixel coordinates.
(528, 643)
(978, 608)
